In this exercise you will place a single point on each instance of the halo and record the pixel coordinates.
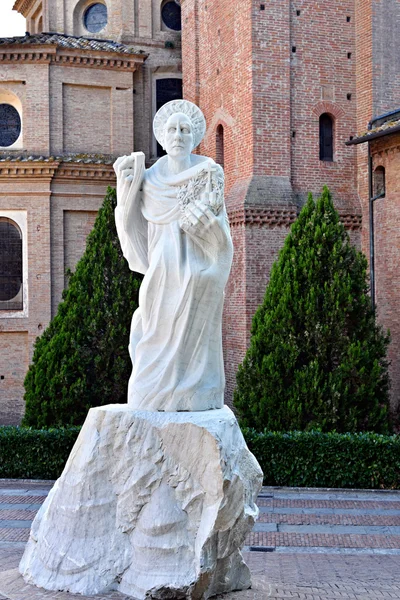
(180, 106)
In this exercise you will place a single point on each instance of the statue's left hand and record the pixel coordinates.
(201, 222)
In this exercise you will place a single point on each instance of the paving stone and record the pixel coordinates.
(271, 539)
(18, 499)
(21, 514)
(303, 565)
(347, 504)
(20, 492)
(340, 528)
(20, 506)
(290, 510)
(333, 519)
(14, 535)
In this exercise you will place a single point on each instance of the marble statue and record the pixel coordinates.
(173, 228)
(158, 495)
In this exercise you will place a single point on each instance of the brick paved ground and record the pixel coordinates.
(310, 545)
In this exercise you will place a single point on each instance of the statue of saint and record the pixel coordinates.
(173, 228)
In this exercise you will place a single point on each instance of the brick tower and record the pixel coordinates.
(277, 84)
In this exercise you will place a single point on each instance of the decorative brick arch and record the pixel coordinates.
(221, 117)
(325, 106)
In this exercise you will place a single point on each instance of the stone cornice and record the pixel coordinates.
(94, 172)
(263, 216)
(57, 169)
(42, 170)
(271, 217)
(385, 146)
(23, 6)
(103, 60)
(72, 58)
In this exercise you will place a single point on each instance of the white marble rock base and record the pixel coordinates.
(155, 505)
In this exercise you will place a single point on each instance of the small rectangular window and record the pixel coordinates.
(326, 138)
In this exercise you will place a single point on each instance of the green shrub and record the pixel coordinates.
(34, 454)
(316, 459)
(317, 358)
(300, 459)
(82, 358)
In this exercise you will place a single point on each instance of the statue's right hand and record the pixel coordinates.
(125, 168)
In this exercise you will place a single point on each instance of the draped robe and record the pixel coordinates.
(176, 333)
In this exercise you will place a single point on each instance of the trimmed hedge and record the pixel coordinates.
(315, 459)
(34, 454)
(297, 459)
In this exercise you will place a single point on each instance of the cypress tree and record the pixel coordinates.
(82, 358)
(317, 358)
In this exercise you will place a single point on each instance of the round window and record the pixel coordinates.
(95, 18)
(171, 15)
(10, 125)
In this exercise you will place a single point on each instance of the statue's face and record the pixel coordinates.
(178, 136)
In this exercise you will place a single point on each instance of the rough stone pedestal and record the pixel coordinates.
(155, 505)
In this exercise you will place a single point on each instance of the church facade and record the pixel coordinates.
(80, 88)
(283, 86)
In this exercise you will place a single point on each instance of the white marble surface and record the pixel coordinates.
(173, 228)
(156, 505)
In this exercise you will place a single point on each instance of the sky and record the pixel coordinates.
(11, 22)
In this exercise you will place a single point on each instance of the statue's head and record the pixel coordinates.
(178, 136)
(179, 126)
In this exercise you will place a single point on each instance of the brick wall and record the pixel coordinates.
(77, 226)
(87, 118)
(76, 198)
(20, 190)
(386, 152)
(386, 55)
(13, 366)
(239, 65)
(322, 78)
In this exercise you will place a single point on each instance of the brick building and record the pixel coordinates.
(382, 141)
(283, 85)
(79, 89)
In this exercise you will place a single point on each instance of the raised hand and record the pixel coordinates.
(125, 168)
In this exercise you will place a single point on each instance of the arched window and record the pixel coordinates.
(379, 181)
(11, 288)
(171, 15)
(167, 89)
(326, 137)
(219, 155)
